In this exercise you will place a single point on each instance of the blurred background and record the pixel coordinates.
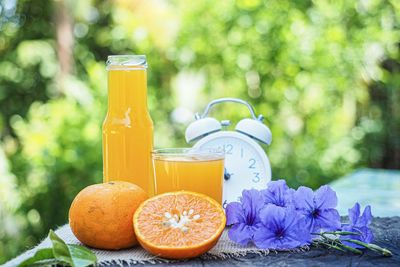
(326, 75)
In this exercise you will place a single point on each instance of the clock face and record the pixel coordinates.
(246, 164)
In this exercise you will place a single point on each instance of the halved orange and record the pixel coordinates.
(179, 225)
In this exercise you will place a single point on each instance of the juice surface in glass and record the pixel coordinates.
(202, 173)
(128, 128)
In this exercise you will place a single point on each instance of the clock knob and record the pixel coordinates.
(201, 128)
(255, 129)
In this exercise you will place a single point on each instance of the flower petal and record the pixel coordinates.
(277, 185)
(234, 213)
(349, 228)
(325, 198)
(354, 213)
(366, 217)
(364, 234)
(368, 236)
(252, 202)
(327, 220)
(241, 233)
(294, 239)
(304, 198)
(302, 233)
(289, 195)
(272, 216)
(264, 238)
(292, 217)
(309, 223)
(282, 228)
(275, 193)
(278, 193)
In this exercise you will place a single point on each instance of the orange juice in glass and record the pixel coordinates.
(189, 169)
(128, 128)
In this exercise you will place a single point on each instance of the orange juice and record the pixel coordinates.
(202, 174)
(128, 128)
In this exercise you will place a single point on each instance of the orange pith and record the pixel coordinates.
(179, 225)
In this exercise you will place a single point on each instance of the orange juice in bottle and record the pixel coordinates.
(188, 169)
(128, 128)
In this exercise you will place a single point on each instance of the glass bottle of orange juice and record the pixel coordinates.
(128, 128)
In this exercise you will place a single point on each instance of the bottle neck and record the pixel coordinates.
(127, 90)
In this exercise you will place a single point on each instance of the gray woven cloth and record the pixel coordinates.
(137, 255)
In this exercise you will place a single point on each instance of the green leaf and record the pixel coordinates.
(74, 255)
(60, 249)
(41, 254)
(82, 256)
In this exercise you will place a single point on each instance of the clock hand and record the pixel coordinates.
(227, 175)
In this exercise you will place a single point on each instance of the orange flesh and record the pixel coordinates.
(197, 223)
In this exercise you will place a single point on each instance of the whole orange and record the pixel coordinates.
(101, 215)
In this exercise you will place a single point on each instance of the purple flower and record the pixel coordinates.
(282, 228)
(318, 208)
(358, 224)
(244, 217)
(278, 193)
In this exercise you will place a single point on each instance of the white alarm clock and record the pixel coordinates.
(246, 163)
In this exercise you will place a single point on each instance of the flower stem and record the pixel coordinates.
(354, 250)
(331, 245)
(385, 252)
(336, 233)
(337, 244)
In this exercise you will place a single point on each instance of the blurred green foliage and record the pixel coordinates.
(326, 75)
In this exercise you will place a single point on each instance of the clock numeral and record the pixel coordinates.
(256, 177)
(224, 204)
(241, 152)
(228, 149)
(252, 163)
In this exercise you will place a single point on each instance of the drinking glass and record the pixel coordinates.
(198, 170)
